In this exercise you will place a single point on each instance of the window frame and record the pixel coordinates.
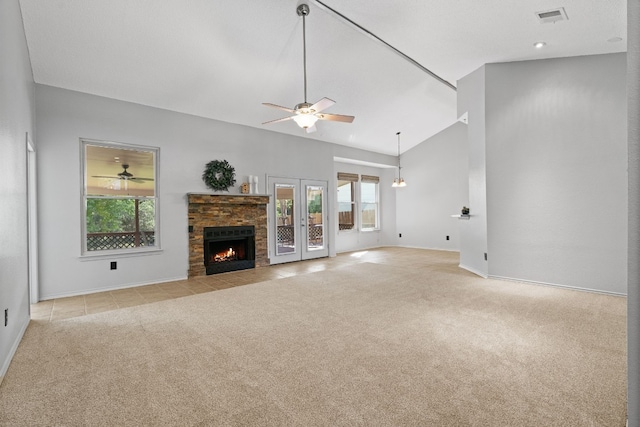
(368, 179)
(353, 179)
(140, 250)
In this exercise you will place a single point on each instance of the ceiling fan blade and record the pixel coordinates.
(268, 104)
(323, 104)
(136, 179)
(103, 176)
(335, 117)
(310, 129)
(284, 119)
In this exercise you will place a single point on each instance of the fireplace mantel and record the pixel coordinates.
(236, 199)
(222, 210)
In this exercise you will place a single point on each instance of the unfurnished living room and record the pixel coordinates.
(318, 213)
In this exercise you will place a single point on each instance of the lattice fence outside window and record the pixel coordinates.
(107, 241)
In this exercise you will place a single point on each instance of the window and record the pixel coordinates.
(346, 200)
(369, 206)
(119, 198)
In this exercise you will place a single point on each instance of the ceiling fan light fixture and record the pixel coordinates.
(305, 120)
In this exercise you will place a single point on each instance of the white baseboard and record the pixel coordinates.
(12, 350)
(396, 246)
(368, 248)
(106, 289)
(555, 285)
(474, 271)
(427, 249)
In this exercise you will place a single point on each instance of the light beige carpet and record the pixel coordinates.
(364, 345)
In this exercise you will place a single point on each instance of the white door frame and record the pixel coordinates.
(32, 222)
(299, 248)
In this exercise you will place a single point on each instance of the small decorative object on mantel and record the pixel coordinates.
(244, 188)
(253, 184)
(465, 210)
(219, 175)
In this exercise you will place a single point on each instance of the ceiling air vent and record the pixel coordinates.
(552, 16)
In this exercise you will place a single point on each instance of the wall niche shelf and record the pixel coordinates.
(461, 216)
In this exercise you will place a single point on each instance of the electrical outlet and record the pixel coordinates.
(447, 237)
(399, 234)
(6, 316)
(114, 265)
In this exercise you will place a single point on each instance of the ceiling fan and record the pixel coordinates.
(125, 175)
(306, 114)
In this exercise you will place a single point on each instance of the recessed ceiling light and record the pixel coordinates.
(615, 39)
(539, 45)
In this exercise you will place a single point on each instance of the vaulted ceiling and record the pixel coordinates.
(222, 59)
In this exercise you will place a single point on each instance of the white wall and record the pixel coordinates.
(16, 119)
(186, 144)
(633, 299)
(556, 158)
(436, 172)
(473, 232)
(353, 240)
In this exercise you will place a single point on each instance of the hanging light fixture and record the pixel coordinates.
(399, 181)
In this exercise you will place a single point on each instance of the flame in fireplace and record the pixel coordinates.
(228, 255)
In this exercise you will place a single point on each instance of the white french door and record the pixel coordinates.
(297, 219)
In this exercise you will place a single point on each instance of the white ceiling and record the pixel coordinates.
(222, 58)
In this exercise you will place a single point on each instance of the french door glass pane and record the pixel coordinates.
(315, 225)
(286, 233)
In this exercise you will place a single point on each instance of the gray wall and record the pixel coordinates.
(556, 158)
(436, 172)
(633, 299)
(186, 144)
(16, 119)
(547, 171)
(473, 232)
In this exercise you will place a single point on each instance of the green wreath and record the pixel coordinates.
(219, 175)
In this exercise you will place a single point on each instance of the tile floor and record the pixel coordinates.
(65, 308)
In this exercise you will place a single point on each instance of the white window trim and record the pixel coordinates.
(356, 216)
(372, 229)
(92, 255)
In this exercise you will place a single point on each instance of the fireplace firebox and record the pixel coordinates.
(229, 248)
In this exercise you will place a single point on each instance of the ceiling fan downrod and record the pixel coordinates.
(303, 10)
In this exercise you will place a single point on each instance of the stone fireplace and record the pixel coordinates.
(238, 220)
(229, 248)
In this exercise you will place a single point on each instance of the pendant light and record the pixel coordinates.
(399, 181)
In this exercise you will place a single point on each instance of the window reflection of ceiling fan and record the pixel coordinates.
(125, 175)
